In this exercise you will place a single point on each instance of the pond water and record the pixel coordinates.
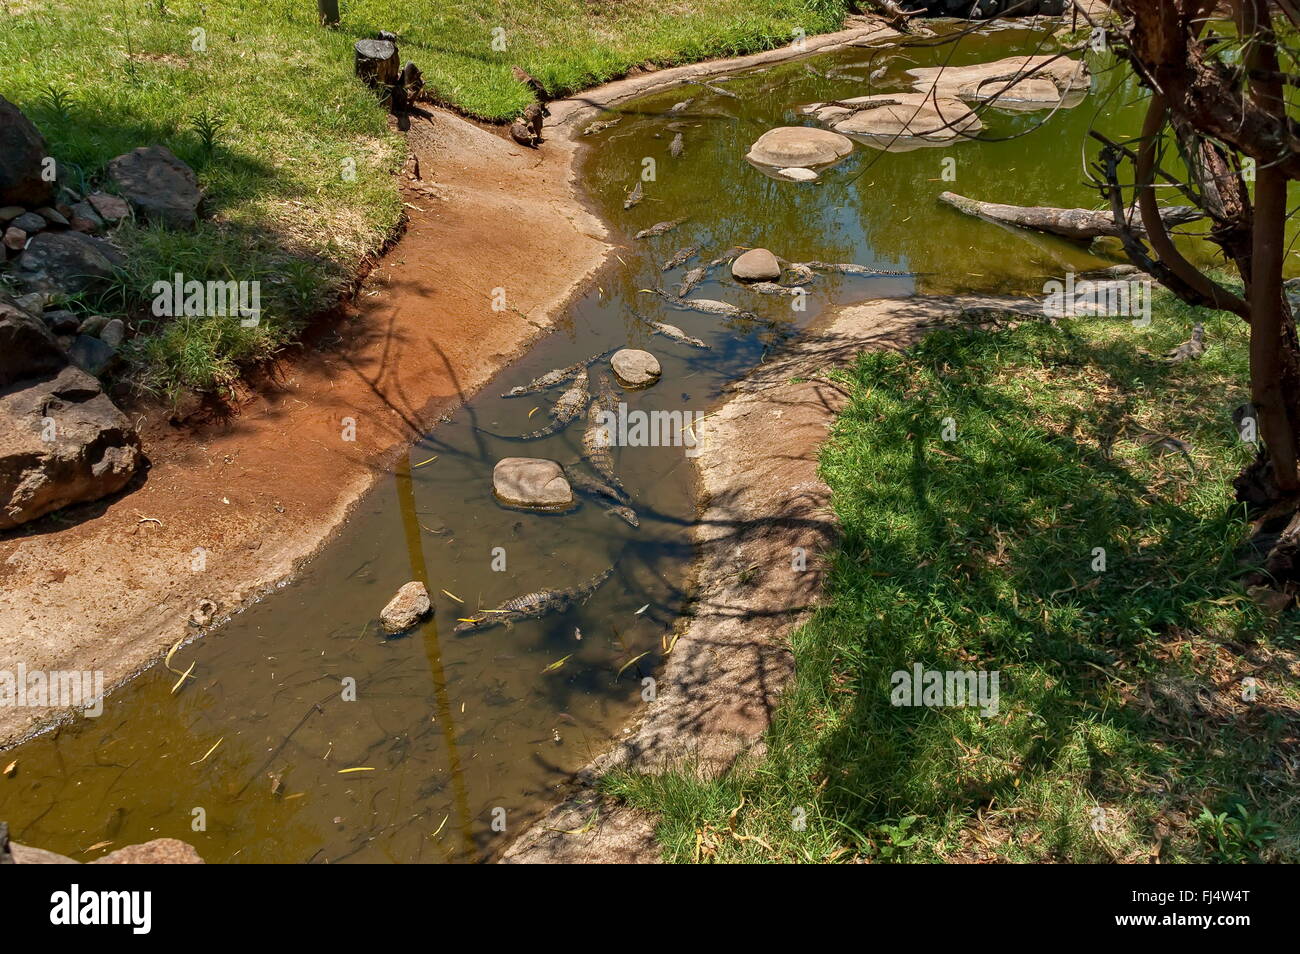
(460, 739)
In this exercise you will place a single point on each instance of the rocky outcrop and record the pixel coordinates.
(899, 121)
(62, 442)
(68, 263)
(22, 158)
(1016, 82)
(158, 186)
(408, 607)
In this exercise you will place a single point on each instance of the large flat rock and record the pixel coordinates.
(802, 146)
(531, 483)
(899, 120)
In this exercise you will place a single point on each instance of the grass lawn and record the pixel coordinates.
(1121, 723)
(269, 116)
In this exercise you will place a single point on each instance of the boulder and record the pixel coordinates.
(22, 158)
(27, 345)
(756, 265)
(158, 186)
(635, 368)
(408, 607)
(531, 483)
(801, 146)
(92, 355)
(62, 442)
(109, 207)
(899, 121)
(67, 262)
(1054, 81)
(160, 851)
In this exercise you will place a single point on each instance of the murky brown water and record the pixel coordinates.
(458, 739)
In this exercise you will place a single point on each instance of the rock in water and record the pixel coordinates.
(22, 157)
(635, 368)
(62, 442)
(756, 265)
(68, 263)
(801, 146)
(158, 186)
(531, 483)
(797, 174)
(408, 607)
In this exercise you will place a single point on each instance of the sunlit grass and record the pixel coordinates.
(1121, 727)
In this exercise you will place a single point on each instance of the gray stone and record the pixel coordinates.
(635, 368)
(110, 207)
(85, 218)
(531, 483)
(27, 346)
(10, 212)
(91, 355)
(67, 262)
(22, 160)
(29, 222)
(408, 607)
(92, 325)
(62, 442)
(756, 265)
(158, 186)
(62, 321)
(52, 217)
(802, 146)
(113, 333)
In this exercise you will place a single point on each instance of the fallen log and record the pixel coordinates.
(1081, 224)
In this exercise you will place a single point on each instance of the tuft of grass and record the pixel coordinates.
(1127, 723)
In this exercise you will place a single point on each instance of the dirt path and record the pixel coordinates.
(260, 491)
(765, 513)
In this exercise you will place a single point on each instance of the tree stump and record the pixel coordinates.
(376, 63)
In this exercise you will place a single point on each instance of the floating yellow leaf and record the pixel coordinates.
(11, 768)
(360, 768)
(185, 675)
(630, 662)
(533, 411)
(557, 664)
(210, 751)
(429, 461)
(454, 597)
(465, 619)
(440, 827)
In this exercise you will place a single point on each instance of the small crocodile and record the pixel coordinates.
(721, 92)
(534, 605)
(683, 256)
(771, 288)
(659, 228)
(706, 306)
(596, 439)
(635, 196)
(570, 404)
(610, 498)
(683, 105)
(851, 268)
(600, 125)
(551, 378)
(674, 333)
(691, 279)
(727, 257)
(676, 146)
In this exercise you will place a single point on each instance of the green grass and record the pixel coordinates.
(269, 113)
(1121, 724)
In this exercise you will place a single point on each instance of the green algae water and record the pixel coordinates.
(307, 735)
